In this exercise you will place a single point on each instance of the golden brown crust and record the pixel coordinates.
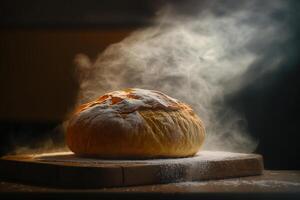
(135, 123)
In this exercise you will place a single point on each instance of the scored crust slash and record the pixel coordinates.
(135, 123)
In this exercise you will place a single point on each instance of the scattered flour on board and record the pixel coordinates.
(203, 157)
(238, 182)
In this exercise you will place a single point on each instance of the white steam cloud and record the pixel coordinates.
(197, 57)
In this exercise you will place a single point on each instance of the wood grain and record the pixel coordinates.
(68, 171)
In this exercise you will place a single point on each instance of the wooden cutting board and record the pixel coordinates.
(66, 170)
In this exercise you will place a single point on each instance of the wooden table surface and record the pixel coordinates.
(271, 185)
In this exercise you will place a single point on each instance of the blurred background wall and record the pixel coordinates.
(37, 77)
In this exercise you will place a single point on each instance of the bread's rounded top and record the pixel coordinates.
(133, 99)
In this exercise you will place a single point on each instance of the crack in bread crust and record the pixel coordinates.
(135, 123)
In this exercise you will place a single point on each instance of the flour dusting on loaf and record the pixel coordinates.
(135, 123)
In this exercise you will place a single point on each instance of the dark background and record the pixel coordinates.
(38, 42)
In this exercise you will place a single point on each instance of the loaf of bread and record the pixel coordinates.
(135, 123)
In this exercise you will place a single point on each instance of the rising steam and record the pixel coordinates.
(197, 56)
